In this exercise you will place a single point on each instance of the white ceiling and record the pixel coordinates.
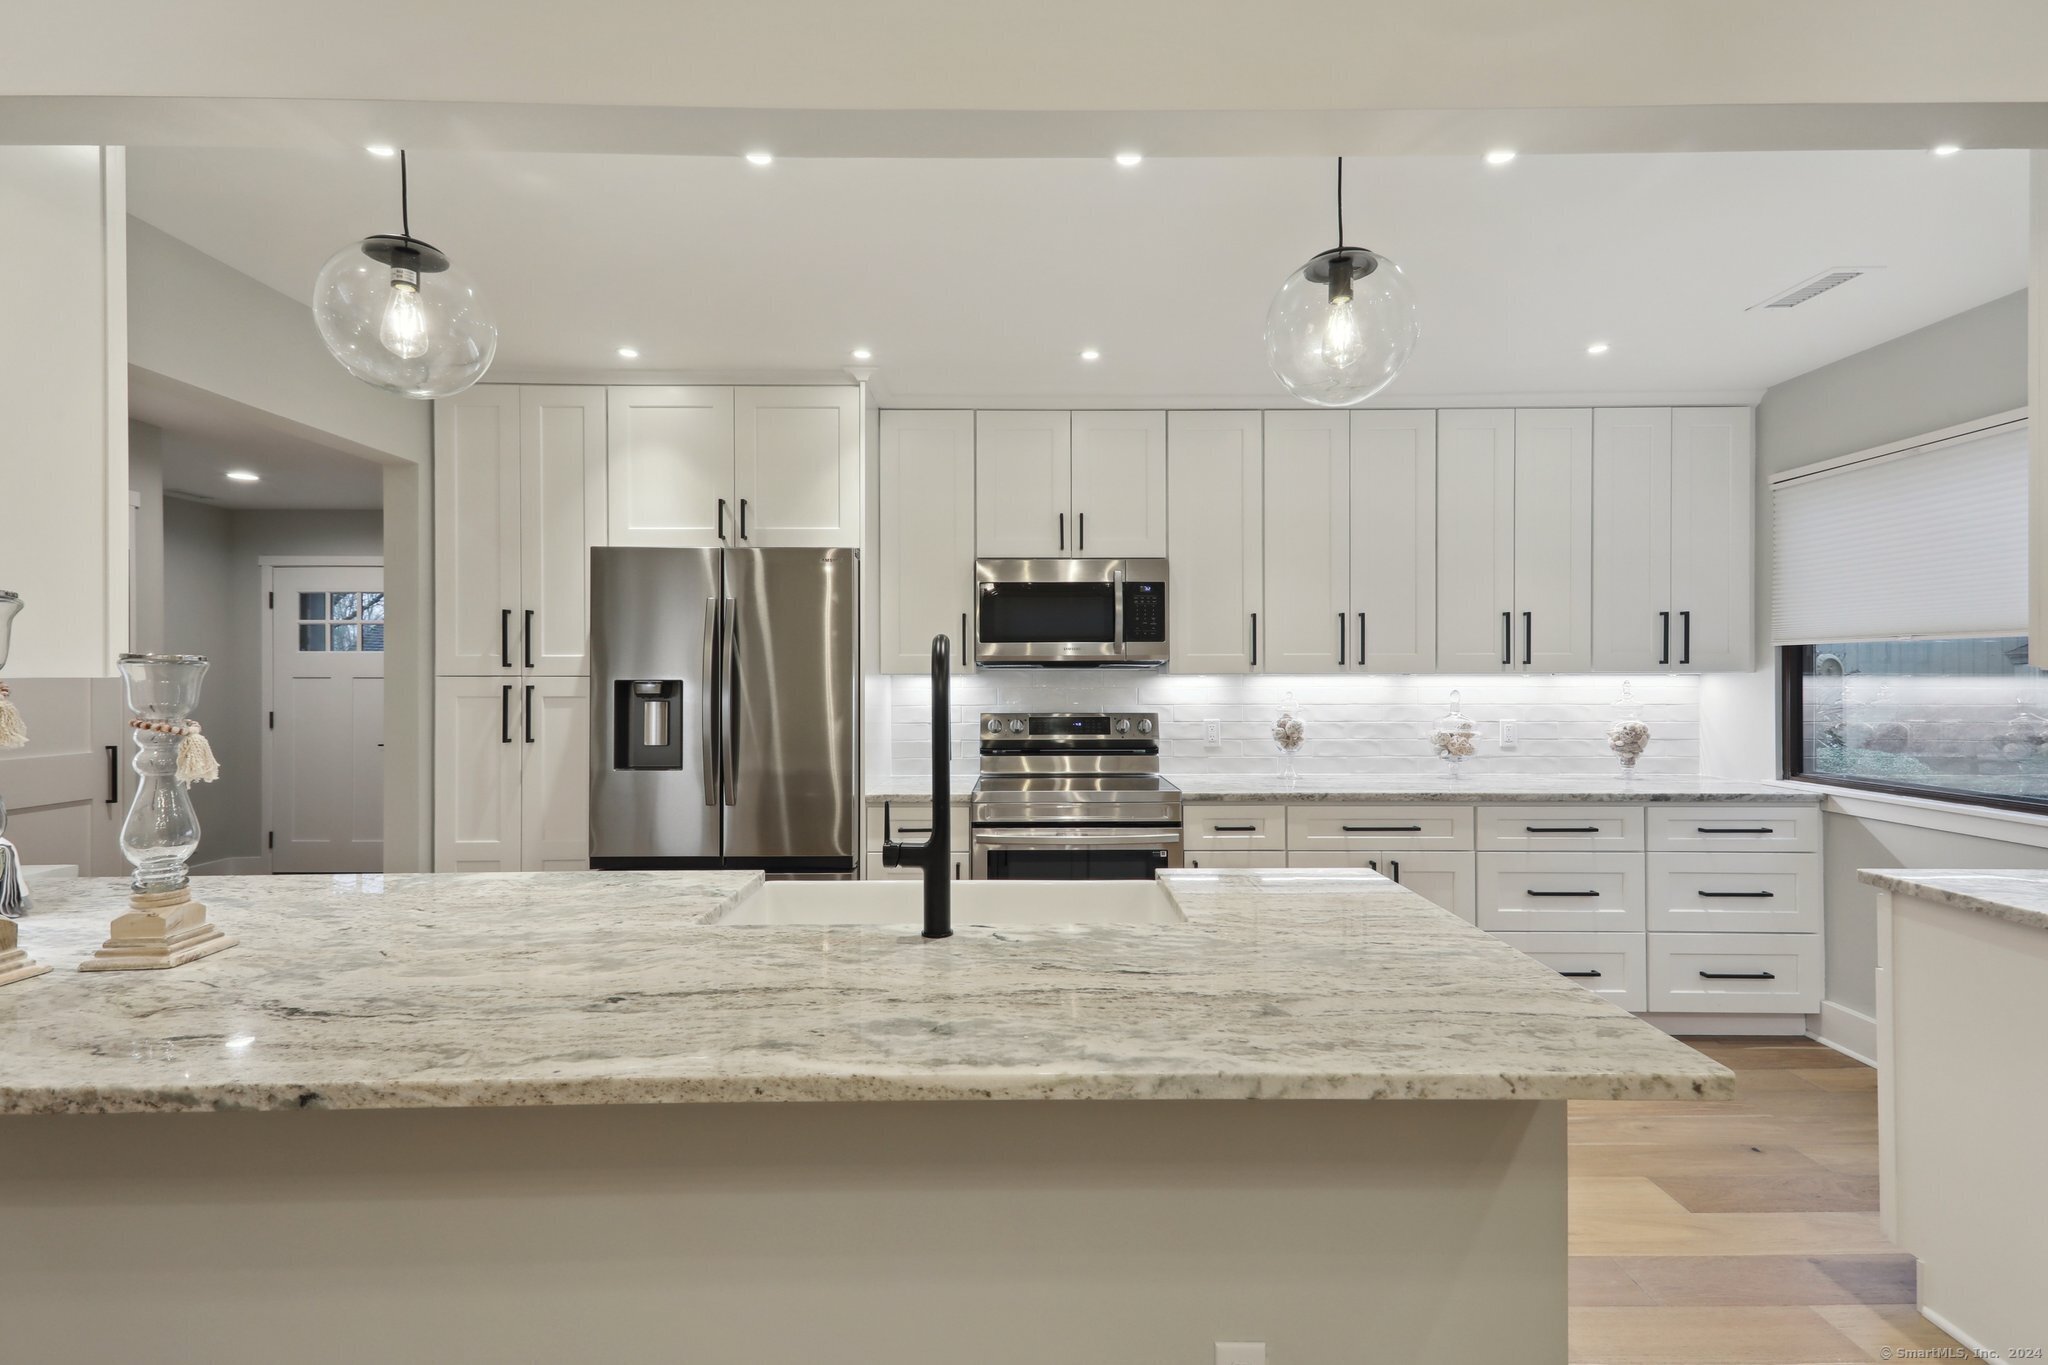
(205, 436)
(978, 280)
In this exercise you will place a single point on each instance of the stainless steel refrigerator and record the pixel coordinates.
(725, 690)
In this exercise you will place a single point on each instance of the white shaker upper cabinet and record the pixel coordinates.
(797, 467)
(1393, 541)
(1215, 516)
(562, 514)
(1475, 541)
(476, 530)
(926, 551)
(1023, 485)
(1120, 483)
(1305, 627)
(1633, 625)
(1554, 540)
(671, 466)
(1713, 483)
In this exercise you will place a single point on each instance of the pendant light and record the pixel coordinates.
(1343, 325)
(399, 316)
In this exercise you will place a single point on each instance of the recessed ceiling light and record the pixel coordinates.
(379, 149)
(1500, 156)
(863, 353)
(1091, 354)
(244, 476)
(628, 353)
(1597, 348)
(1947, 149)
(1129, 159)
(760, 158)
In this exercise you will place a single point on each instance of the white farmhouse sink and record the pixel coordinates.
(992, 903)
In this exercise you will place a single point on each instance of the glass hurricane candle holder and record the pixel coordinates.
(1455, 738)
(1628, 736)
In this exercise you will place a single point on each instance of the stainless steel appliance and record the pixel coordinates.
(1072, 796)
(725, 709)
(1070, 613)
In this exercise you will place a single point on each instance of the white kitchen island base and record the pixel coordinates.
(1119, 1232)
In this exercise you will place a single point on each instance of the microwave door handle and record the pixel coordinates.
(707, 687)
(1116, 588)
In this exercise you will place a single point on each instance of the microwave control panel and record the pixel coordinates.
(1145, 612)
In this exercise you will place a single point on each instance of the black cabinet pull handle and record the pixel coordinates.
(1685, 637)
(1528, 636)
(1589, 972)
(527, 637)
(1063, 530)
(529, 713)
(743, 518)
(1664, 656)
(505, 715)
(1340, 639)
(1532, 891)
(1382, 829)
(1080, 530)
(913, 829)
(1738, 895)
(1373, 863)
(1562, 829)
(505, 638)
(1507, 638)
(1395, 863)
(1234, 829)
(1739, 976)
(1361, 639)
(721, 518)
(1734, 829)
(113, 774)
(1255, 639)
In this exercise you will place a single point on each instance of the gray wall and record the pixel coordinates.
(1961, 368)
(212, 606)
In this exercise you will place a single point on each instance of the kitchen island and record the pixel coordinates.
(561, 1141)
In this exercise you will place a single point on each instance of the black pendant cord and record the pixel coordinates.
(1340, 200)
(405, 199)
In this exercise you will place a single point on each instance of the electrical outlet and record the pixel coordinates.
(1507, 734)
(1240, 1353)
(1212, 732)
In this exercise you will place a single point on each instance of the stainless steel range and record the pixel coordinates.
(1072, 796)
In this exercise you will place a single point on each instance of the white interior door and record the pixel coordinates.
(326, 772)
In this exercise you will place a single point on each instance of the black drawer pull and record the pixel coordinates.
(913, 829)
(113, 774)
(1734, 829)
(1738, 895)
(1739, 976)
(1382, 829)
(1234, 829)
(1562, 829)
(1588, 972)
(1532, 891)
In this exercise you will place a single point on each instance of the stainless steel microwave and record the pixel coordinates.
(1070, 613)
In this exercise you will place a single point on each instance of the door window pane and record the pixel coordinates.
(312, 606)
(344, 607)
(373, 606)
(345, 638)
(373, 639)
(312, 639)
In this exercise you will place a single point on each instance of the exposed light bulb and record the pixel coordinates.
(1342, 343)
(404, 329)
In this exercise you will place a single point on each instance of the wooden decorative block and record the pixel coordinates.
(15, 965)
(164, 929)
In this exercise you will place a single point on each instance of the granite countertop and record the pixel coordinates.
(2018, 895)
(1470, 789)
(617, 988)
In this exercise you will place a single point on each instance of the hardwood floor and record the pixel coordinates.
(1742, 1233)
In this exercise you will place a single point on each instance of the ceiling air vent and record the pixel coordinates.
(1813, 288)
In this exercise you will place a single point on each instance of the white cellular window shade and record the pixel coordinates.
(1926, 541)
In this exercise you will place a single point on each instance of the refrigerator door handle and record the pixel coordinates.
(708, 689)
(730, 738)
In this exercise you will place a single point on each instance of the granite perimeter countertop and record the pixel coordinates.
(1470, 789)
(2018, 896)
(423, 991)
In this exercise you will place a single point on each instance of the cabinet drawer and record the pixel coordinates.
(913, 823)
(1344, 829)
(1445, 879)
(1591, 828)
(1728, 827)
(1612, 966)
(1216, 860)
(1760, 893)
(1735, 973)
(1244, 829)
(1573, 891)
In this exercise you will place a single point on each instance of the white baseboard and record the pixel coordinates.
(1729, 1025)
(258, 866)
(1968, 1342)
(1849, 1032)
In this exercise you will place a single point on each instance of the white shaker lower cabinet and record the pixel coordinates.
(1215, 511)
(512, 774)
(1734, 829)
(1258, 828)
(1574, 891)
(925, 557)
(1444, 879)
(1588, 828)
(1614, 967)
(911, 822)
(1220, 861)
(1758, 893)
(1735, 973)
(1361, 829)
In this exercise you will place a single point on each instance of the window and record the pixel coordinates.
(341, 622)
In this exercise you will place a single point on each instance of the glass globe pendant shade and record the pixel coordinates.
(398, 315)
(1341, 327)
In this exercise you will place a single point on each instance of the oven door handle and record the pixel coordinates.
(1060, 838)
